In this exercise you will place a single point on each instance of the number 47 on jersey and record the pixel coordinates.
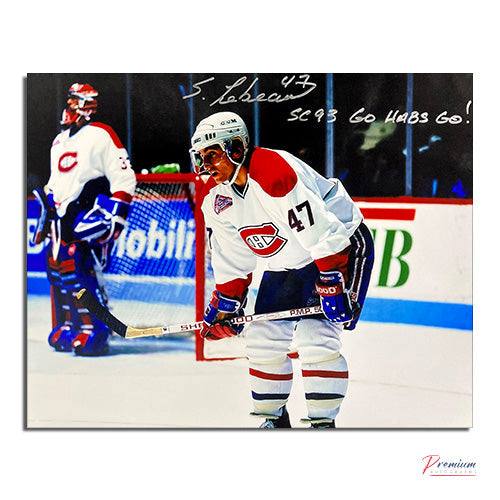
(297, 214)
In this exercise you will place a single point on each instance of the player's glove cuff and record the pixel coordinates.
(330, 283)
(335, 300)
(217, 315)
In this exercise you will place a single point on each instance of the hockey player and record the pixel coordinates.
(267, 204)
(83, 209)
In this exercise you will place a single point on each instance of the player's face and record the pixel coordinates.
(217, 163)
(72, 103)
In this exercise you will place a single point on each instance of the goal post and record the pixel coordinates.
(157, 272)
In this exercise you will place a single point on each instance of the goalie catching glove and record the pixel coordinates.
(217, 315)
(335, 299)
(104, 222)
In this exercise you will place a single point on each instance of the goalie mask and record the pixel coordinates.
(81, 103)
(226, 130)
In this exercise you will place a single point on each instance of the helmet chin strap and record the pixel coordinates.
(235, 174)
(237, 165)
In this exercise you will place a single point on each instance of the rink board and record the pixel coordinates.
(422, 273)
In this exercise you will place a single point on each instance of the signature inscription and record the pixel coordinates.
(293, 87)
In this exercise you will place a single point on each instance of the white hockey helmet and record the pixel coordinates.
(222, 129)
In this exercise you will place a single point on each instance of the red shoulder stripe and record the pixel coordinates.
(272, 172)
(110, 131)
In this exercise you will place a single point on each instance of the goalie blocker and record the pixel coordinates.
(104, 222)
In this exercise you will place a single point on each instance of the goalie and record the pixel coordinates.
(83, 209)
(267, 204)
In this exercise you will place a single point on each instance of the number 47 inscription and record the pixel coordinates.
(293, 220)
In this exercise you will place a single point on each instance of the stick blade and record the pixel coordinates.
(100, 312)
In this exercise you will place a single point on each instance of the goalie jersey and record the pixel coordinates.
(94, 152)
(287, 214)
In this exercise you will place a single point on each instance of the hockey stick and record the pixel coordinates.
(102, 314)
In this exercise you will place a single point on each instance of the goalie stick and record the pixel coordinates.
(102, 314)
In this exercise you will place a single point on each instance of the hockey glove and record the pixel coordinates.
(335, 300)
(217, 315)
(46, 215)
(104, 222)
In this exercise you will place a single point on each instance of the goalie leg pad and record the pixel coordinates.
(91, 334)
(91, 342)
(61, 337)
(75, 269)
(62, 334)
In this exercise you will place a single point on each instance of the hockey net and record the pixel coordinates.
(160, 271)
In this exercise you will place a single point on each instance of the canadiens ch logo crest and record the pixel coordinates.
(67, 162)
(221, 203)
(263, 240)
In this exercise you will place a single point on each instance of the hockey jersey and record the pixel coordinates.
(287, 214)
(94, 151)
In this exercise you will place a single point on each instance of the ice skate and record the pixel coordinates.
(323, 425)
(281, 422)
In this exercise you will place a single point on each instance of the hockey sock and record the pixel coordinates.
(325, 385)
(271, 385)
